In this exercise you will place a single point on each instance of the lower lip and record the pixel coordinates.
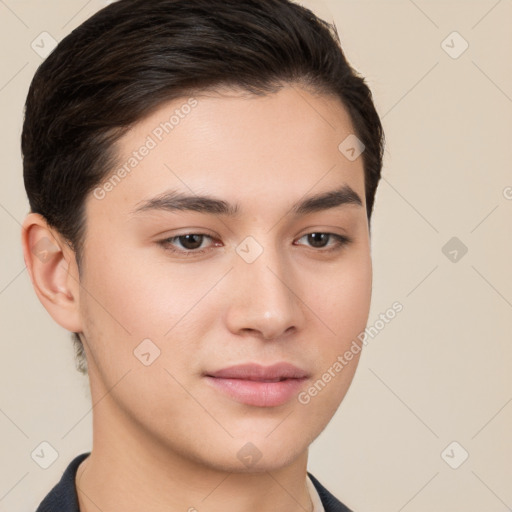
(257, 393)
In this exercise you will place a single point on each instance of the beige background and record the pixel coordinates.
(440, 371)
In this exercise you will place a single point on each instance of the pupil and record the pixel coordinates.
(185, 240)
(314, 238)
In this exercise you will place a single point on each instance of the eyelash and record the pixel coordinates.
(341, 242)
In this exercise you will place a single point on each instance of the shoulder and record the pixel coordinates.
(63, 496)
(329, 501)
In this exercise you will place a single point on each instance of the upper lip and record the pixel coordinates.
(253, 371)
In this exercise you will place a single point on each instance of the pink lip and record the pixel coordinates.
(260, 386)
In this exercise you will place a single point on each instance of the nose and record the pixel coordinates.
(264, 298)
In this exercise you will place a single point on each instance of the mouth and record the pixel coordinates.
(257, 385)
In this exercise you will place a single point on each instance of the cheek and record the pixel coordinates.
(124, 291)
(343, 307)
(115, 300)
(127, 298)
(344, 299)
(354, 299)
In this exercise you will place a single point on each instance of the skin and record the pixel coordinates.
(162, 438)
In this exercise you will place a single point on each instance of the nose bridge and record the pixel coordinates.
(262, 298)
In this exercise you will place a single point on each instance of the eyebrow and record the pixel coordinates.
(178, 201)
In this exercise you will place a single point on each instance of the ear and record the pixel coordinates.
(52, 267)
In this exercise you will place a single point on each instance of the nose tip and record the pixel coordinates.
(261, 302)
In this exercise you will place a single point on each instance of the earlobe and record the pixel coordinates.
(52, 268)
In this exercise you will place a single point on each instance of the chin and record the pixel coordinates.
(259, 454)
(263, 465)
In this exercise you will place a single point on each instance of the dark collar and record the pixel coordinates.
(329, 501)
(63, 497)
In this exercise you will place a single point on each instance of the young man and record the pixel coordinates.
(201, 176)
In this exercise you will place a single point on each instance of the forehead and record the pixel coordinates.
(255, 151)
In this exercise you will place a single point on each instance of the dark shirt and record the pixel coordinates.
(63, 497)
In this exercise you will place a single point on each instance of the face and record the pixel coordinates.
(262, 271)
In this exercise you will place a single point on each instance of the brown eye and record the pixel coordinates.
(187, 244)
(190, 242)
(320, 240)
